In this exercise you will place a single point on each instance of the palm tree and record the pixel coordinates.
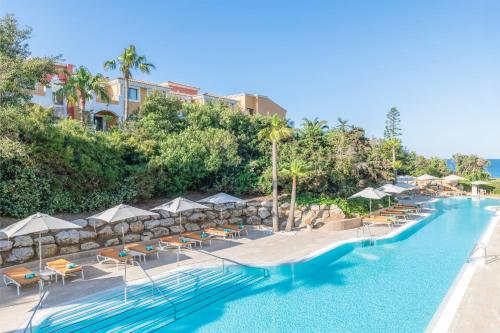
(343, 125)
(277, 131)
(128, 61)
(80, 86)
(297, 168)
(315, 125)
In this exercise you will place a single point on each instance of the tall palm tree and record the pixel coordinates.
(128, 61)
(80, 86)
(297, 168)
(275, 132)
(315, 125)
(343, 125)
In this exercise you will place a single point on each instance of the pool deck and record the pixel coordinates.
(479, 309)
(259, 248)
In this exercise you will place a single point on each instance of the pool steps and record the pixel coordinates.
(147, 310)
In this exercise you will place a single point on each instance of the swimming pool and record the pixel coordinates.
(394, 286)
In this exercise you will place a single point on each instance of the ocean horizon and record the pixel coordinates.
(493, 169)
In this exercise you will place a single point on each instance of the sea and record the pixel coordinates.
(493, 168)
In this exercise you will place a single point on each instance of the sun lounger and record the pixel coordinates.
(64, 268)
(371, 221)
(198, 237)
(17, 277)
(113, 256)
(220, 232)
(176, 242)
(143, 249)
(237, 229)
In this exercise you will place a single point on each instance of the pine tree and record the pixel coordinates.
(392, 124)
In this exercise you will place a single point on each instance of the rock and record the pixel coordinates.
(45, 240)
(68, 237)
(160, 231)
(253, 204)
(177, 229)
(267, 203)
(151, 224)
(298, 213)
(285, 205)
(132, 238)
(20, 254)
(22, 241)
(3, 236)
(105, 232)
(210, 224)
(253, 220)
(337, 214)
(235, 220)
(221, 222)
(87, 235)
(323, 207)
(250, 211)
(324, 213)
(69, 249)
(211, 215)
(333, 207)
(147, 235)
(148, 217)
(89, 246)
(196, 217)
(263, 212)
(240, 205)
(121, 228)
(236, 212)
(164, 214)
(131, 219)
(81, 222)
(95, 223)
(137, 227)
(48, 250)
(268, 221)
(191, 227)
(167, 222)
(314, 208)
(5, 245)
(112, 242)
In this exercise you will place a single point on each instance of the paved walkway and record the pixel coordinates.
(479, 310)
(258, 248)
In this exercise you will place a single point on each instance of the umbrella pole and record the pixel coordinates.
(123, 236)
(40, 249)
(370, 207)
(389, 201)
(221, 213)
(180, 218)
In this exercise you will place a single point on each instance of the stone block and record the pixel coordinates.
(89, 246)
(67, 237)
(20, 254)
(23, 241)
(69, 249)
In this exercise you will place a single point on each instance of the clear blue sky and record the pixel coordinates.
(437, 61)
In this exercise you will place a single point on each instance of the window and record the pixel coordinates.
(133, 94)
(57, 99)
(251, 111)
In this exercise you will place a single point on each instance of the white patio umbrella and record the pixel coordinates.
(220, 199)
(405, 179)
(369, 193)
(179, 205)
(120, 213)
(476, 184)
(426, 178)
(408, 187)
(38, 223)
(392, 189)
(453, 178)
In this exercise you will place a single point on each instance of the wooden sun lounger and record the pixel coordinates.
(394, 213)
(142, 249)
(175, 241)
(16, 277)
(219, 232)
(111, 255)
(60, 267)
(374, 221)
(196, 237)
(235, 228)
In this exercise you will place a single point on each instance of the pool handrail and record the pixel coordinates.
(43, 295)
(263, 270)
(153, 283)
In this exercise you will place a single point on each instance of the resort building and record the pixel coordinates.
(105, 114)
(258, 104)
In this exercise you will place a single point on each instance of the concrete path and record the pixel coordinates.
(479, 310)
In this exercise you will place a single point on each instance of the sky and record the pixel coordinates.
(438, 62)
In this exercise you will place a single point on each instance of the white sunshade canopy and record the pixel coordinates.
(180, 205)
(427, 177)
(37, 223)
(453, 178)
(122, 212)
(221, 198)
(392, 189)
(405, 178)
(479, 182)
(369, 193)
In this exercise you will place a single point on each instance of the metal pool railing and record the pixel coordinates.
(478, 246)
(29, 326)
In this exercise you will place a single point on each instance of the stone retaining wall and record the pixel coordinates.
(95, 233)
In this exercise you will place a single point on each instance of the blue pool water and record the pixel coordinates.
(394, 286)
